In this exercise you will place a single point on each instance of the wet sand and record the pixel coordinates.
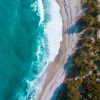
(70, 11)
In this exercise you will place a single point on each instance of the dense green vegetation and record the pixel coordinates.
(84, 83)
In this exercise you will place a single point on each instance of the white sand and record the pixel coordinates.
(70, 11)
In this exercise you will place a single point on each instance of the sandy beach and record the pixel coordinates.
(56, 71)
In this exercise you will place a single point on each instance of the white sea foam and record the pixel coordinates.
(38, 7)
(54, 34)
(41, 11)
(36, 85)
(54, 26)
(34, 6)
(54, 29)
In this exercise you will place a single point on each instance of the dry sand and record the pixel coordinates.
(55, 70)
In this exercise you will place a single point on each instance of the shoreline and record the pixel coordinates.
(55, 70)
(55, 64)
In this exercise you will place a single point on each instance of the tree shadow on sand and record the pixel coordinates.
(78, 27)
(67, 67)
(57, 91)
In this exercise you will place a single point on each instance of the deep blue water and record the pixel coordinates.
(21, 36)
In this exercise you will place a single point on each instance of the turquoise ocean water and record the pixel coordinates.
(23, 48)
(28, 42)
